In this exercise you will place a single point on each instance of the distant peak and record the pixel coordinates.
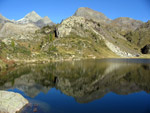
(47, 19)
(91, 14)
(33, 13)
(33, 16)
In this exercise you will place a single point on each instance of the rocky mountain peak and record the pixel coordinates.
(33, 16)
(91, 14)
(47, 19)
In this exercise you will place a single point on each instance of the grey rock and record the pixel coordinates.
(11, 102)
(44, 22)
(91, 14)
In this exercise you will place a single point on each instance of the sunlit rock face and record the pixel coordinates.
(11, 102)
(83, 80)
(34, 18)
(91, 14)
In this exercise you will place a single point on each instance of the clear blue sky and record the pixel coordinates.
(57, 10)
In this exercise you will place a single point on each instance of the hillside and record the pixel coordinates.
(141, 36)
(85, 35)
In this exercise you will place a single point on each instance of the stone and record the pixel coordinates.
(11, 102)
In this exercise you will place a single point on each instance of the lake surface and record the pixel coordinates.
(88, 86)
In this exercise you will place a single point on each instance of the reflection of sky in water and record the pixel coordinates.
(91, 86)
(110, 103)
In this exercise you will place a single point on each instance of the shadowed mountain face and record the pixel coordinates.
(85, 81)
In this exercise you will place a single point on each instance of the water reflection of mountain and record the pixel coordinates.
(83, 80)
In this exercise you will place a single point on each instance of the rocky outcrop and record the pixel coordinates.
(146, 49)
(91, 14)
(68, 25)
(11, 102)
(117, 50)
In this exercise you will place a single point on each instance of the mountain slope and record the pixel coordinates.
(88, 34)
(44, 22)
(124, 25)
(3, 19)
(98, 33)
(11, 29)
(30, 17)
(91, 14)
(141, 36)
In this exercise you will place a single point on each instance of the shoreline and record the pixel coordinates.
(19, 62)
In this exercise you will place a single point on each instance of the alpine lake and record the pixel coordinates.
(85, 86)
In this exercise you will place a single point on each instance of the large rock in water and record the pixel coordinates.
(146, 49)
(11, 102)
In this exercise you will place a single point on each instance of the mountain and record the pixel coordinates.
(89, 29)
(30, 17)
(11, 29)
(128, 23)
(124, 25)
(44, 21)
(29, 24)
(87, 34)
(3, 19)
(91, 14)
(141, 36)
(34, 18)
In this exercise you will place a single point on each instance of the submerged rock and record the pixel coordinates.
(11, 102)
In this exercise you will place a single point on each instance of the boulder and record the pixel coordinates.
(11, 102)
